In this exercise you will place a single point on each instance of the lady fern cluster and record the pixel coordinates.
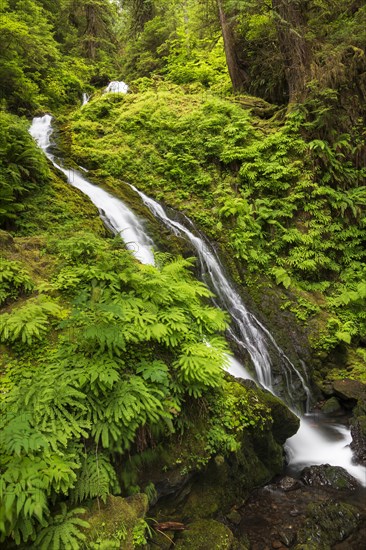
(132, 343)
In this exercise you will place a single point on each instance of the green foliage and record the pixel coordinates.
(96, 478)
(14, 279)
(136, 342)
(26, 51)
(284, 205)
(29, 322)
(233, 411)
(63, 530)
(23, 167)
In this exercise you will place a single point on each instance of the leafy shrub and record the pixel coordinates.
(23, 167)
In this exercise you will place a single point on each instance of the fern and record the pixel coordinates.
(13, 279)
(63, 531)
(28, 322)
(97, 478)
(200, 367)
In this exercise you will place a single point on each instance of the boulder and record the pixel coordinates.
(350, 391)
(206, 534)
(327, 523)
(288, 483)
(115, 523)
(328, 476)
(331, 406)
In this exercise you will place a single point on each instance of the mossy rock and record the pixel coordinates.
(326, 475)
(326, 524)
(358, 445)
(114, 522)
(285, 422)
(331, 406)
(211, 492)
(206, 534)
(349, 390)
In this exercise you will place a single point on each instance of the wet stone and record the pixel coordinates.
(325, 475)
(288, 483)
(234, 517)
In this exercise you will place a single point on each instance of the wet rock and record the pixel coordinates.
(328, 476)
(331, 406)
(350, 391)
(326, 524)
(358, 445)
(234, 517)
(288, 483)
(173, 482)
(205, 534)
(287, 537)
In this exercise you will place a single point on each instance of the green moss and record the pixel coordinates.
(115, 521)
(326, 524)
(205, 535)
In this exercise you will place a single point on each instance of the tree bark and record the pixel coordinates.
(291, 20)
(237, 72)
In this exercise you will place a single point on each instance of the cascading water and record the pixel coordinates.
(309, 445)
(118, 87)
(85, 99)
(252, 336)
(115, 214)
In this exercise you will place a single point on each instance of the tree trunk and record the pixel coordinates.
(290, 17)
(238, 75)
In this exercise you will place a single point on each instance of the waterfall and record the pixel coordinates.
(115, 214)
(250, 335)
(117, 87)
(310, 445)
(85, 99)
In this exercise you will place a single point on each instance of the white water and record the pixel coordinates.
(86, 98)
(319, 443)
(120, 219)
(117, 87)
(311, 444)
(254, 337)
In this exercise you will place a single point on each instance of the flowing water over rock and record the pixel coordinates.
(118, 87)
(311, 445)
(85, 99)
(115, 214)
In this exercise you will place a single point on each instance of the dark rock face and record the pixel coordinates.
(358, 445)
(328, 476)
(349, 390)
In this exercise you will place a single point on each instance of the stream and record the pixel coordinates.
(317, 442)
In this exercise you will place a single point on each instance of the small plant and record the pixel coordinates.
(14, 279)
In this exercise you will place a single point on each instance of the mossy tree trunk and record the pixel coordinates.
(291, 24)
(237, 72)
